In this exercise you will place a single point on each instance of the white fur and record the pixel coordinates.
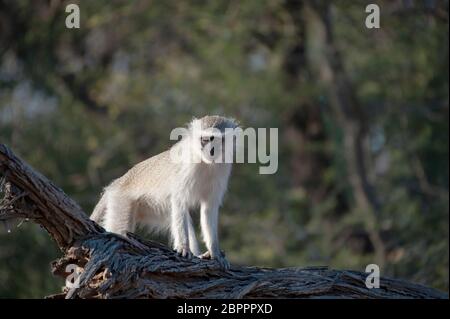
(159, 194)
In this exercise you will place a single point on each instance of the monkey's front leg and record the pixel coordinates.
(179, 230)
(209, 223)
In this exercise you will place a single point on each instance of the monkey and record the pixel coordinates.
(159, 193)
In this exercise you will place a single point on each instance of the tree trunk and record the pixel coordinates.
(350, 117)
(111, 266)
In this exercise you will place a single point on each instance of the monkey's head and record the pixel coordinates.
(213, 138)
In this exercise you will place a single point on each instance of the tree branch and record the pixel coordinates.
(113, 266)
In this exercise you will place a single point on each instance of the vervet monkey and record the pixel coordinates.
(160, 192)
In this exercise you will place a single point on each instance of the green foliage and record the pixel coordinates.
(82, 106)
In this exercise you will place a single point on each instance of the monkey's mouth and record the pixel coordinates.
(210, 155)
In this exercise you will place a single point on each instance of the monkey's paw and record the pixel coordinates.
(184, 252)
(220, 258)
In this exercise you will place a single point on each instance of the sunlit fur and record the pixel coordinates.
(159, 193)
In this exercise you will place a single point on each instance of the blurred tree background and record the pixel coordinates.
(362, 117)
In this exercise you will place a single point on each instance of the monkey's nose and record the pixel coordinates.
(211, 152)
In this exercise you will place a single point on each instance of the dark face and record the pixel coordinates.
(212, 138)
(205, 140)
(216, 149)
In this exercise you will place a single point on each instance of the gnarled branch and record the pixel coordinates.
(112, 266)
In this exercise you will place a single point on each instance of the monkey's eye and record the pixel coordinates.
(211, 138)
(204, 140)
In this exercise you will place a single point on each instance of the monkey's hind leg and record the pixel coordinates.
(99, 211)
(120, 216)
(179, 229)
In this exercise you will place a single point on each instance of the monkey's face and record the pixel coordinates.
(215, 140)
(207, 141)
(213, 147)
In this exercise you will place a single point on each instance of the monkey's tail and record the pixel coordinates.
(99, 210)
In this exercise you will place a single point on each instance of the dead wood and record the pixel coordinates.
(112, 266)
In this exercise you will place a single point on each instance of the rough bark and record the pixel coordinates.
(112, 266)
